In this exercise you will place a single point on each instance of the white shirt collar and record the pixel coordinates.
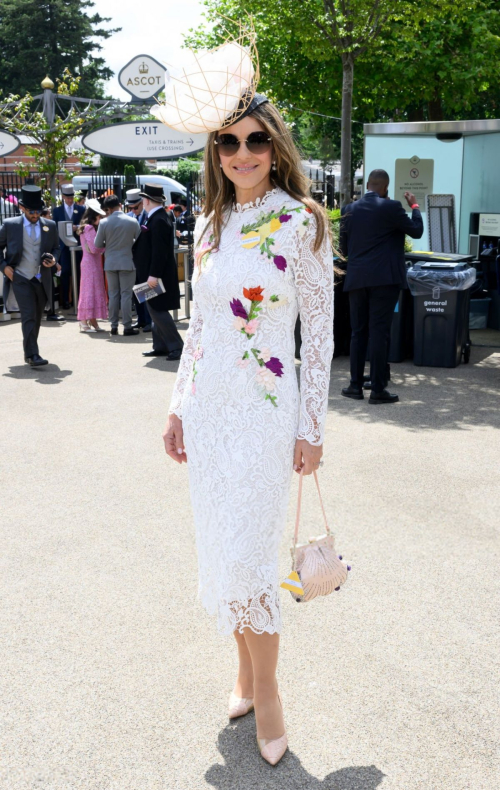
(150, 213)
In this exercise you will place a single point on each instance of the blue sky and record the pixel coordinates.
(147, 28)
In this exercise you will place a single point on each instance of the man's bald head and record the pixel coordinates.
(378, 181)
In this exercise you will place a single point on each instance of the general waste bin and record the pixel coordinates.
(441, 293)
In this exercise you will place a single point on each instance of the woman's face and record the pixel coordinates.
(244, 168)
(97, 220)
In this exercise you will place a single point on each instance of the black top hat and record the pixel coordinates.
(31, 198)
(153, 192)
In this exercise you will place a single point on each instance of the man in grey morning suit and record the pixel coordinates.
(117, 233)
(29, 250)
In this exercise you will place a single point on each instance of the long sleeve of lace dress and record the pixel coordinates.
(190, 343)
(314, 283)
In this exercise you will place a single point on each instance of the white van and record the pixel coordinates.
(172, 189)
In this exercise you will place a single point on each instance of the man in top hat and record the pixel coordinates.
(29, 246)
(68, 211)
(185, 223)
(156, 261)
(134, 203)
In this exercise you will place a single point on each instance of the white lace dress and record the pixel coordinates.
(237, 395)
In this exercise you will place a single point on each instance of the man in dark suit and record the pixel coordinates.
(184, 223)
(372, 237)
(137, 210)
(154, 252)
(68, 211)
(29, 246)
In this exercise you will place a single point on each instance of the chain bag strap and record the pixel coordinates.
(316, 568)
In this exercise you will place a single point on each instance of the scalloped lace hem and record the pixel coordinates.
(261, 614)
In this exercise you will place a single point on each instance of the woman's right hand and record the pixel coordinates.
(174, 439)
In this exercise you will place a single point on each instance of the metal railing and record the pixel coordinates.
(10, 192)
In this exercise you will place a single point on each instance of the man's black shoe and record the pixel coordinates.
(137, 325)
(383, 397)
(114, 330)
(174, 355)
(356, 393)
(36, 361)
(129, 331)
(55, 317)
(154, 353)
(147, 328)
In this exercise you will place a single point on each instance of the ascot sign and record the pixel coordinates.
(143, 77)
(142, 140)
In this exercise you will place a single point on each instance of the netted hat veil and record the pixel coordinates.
(216, 89)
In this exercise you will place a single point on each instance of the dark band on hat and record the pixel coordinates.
(243, 109)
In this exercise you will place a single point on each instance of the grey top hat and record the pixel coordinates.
(67, 189)
(153, 192)
(133, 196)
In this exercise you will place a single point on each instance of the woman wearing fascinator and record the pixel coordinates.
(263, 255)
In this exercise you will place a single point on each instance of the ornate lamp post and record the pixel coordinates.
(49, 111)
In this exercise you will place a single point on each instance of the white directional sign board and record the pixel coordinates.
(8, 143)
(142, 140)
(143, 77)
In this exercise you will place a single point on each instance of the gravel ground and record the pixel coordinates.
(113, 677)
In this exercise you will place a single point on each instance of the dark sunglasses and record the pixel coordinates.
(257, 143)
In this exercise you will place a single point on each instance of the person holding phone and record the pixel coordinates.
(372, 237)
(29, 251)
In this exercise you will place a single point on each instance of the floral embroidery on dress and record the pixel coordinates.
(260, 232)
(245, 322)
(204, 256)
(197, 354)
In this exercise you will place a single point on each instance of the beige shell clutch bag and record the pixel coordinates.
(317, 569)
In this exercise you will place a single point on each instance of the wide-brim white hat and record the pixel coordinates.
(215, 90)
(94, 204)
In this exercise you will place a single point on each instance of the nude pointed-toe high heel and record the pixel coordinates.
(239, 706)
(273, 750)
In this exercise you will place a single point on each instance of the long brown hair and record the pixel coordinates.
(289, 176)
(89, 217)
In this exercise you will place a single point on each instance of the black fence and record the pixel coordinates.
(322, 186)
(10, 192)
(100, 186)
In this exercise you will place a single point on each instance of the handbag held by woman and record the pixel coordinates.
(316, 567)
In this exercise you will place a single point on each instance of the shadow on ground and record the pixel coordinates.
(244, 768)
(48, 374)
(430, 398)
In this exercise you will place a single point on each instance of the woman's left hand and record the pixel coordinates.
(306, 457)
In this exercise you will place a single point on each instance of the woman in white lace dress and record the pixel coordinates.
(263, 255)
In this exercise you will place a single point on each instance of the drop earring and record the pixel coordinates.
(273, 167)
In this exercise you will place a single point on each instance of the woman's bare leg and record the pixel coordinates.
(244, 682)
(263, 649)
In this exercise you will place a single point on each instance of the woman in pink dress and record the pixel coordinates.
(93, 303)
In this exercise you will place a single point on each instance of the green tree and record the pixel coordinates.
(39, 37)
(439, 66)
(54, 138)
(182, 173)
(109, 166)
(429, 54)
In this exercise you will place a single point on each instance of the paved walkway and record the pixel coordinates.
(114, 678)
